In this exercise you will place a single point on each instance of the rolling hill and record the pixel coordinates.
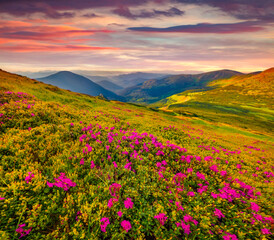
(73, 166)
(77, 83)
(156, 89)
(245, 100)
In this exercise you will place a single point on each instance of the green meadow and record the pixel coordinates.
(74, 166)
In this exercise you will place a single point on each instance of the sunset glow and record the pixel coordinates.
(133, 35)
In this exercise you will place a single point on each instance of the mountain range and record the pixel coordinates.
(77, 83)
(133, 79)
(156, 89)
(145, 91)
(135, 87)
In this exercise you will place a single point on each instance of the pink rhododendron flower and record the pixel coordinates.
(21, 231)
(105, 222)
(29, 177)
(128, 203)
(161, 217)
(202, 189)
(185, 227)
(179, 178)
(223, 173)
(111, 201)
(63, 182)
(255, 207)
(120, 214)
(191, 194)
(214, 195)
(164, 162)
(258, 217)
(77, 215)
(82, 161)
(218, 213)
(179, 206)
(187, 218)
(50, 184)
(114, 189)
(126, 225)
(160, 175)
(269, 219)
(195, 222)
(214, 168)
(2, 198)
(128, 166)
(89, 148)
(265, 231)
(115, 164)
(200, 175)
(230, 236)
(92, 165)
(158, 164)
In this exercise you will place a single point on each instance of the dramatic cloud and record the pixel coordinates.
(62, 8)
(137, 34)
(125, 12)
(242, 9)
(221, 28)
(22, 30)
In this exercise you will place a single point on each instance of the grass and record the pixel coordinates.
(242, 102)
(57, 154)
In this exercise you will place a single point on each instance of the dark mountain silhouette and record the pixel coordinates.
(157, 89)
(77, 83)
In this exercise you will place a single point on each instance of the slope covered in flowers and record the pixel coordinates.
(117, 171)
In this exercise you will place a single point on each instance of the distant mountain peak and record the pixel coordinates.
(77, 83)
(66, 73)
(156, 89)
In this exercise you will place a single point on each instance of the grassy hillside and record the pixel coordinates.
(156, 89)
(244, 101)
(79, 167)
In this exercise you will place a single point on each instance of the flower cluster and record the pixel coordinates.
(22, 231)
(62, 182)
(128, 203)
(29, 177)
(105, 222)
(162, 218)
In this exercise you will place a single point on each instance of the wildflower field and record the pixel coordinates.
(96, 169)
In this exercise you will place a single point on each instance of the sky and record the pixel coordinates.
(136, 35)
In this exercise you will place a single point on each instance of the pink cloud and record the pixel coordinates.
(46, 33)
(52, 48)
